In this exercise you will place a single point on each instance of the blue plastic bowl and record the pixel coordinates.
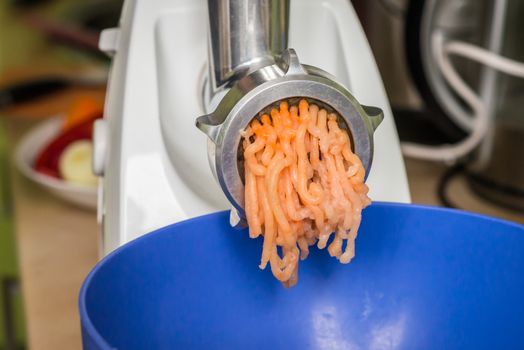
(423, 278)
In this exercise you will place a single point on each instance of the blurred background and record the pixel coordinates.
(52, 88)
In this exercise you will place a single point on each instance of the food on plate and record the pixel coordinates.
(62, 154)
(303, 184)
(75, 163)
(82, 110)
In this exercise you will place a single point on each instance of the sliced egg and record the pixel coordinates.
(75, 163)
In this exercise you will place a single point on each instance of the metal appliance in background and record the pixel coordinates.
(498, 174)
(155, 163)
(482, 40)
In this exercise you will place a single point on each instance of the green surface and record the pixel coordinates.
(22, 46)
(9, 290)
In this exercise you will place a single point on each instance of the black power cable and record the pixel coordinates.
(461, 169)
(444, 181)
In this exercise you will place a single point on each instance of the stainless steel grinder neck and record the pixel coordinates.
(244, 35)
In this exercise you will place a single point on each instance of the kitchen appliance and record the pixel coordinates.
(175, 60)
(484, 38)
(483, 43)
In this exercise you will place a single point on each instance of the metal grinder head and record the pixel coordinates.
(286, 79)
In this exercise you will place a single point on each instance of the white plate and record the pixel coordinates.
(27, 151)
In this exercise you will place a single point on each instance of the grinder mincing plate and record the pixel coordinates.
(286, 79)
